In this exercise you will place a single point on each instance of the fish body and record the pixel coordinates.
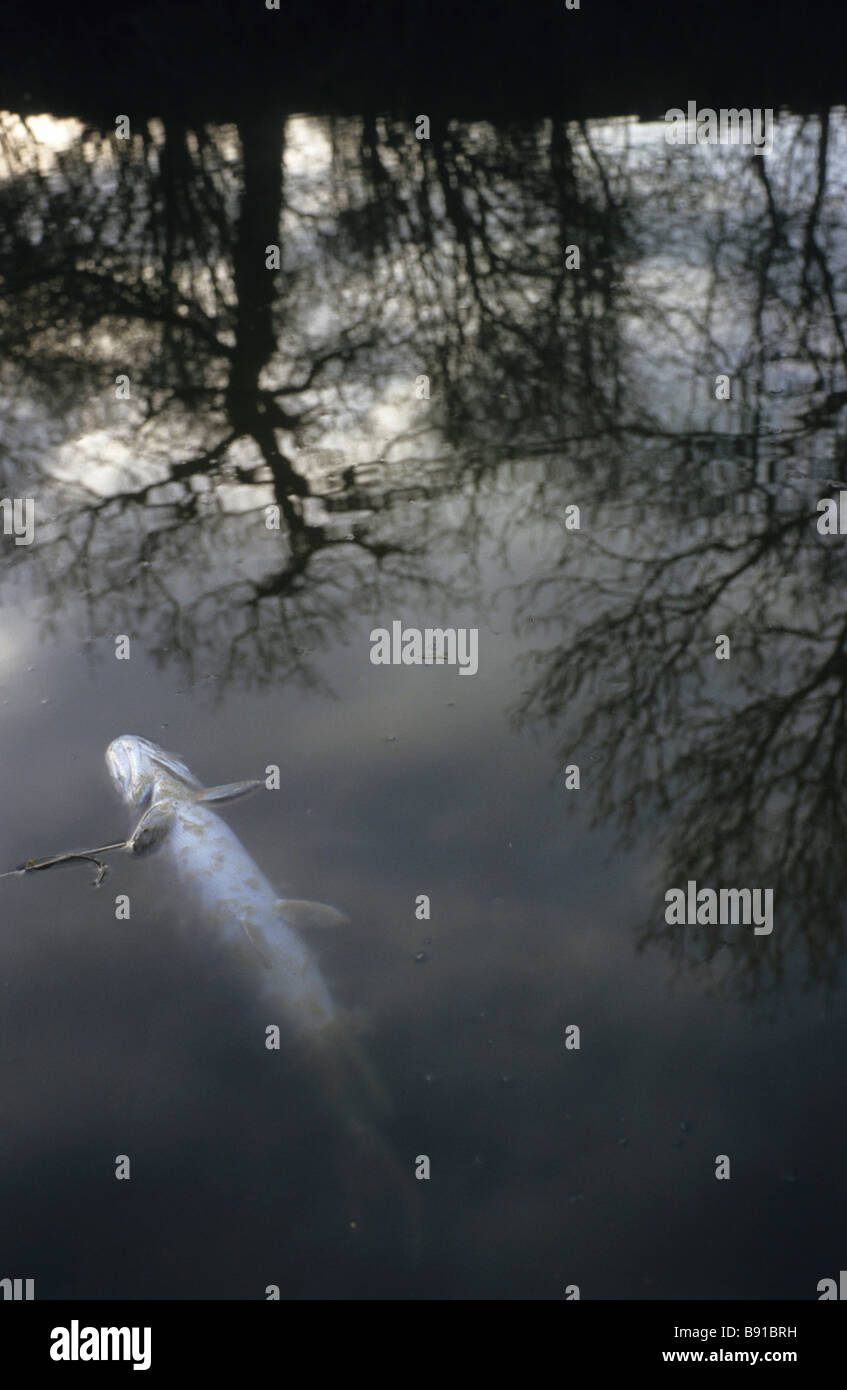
(231, 897)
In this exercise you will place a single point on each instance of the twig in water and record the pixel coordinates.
(50, 860)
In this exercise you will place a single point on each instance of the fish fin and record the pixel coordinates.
(257, 943)
(301, 914)
(375, 1183)
(152, 829)
(229, 791)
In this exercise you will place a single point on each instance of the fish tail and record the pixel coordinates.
(352, 1079)
(381, 1194)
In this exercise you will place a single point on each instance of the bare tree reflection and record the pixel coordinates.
(403, 259)
(735, 771)
(398, 258)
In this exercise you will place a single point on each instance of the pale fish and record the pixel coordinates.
(229, 896)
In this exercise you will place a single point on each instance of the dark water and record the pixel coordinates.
(549, 388)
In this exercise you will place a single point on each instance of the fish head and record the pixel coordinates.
(135, 765)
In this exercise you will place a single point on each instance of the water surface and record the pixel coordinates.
(548, 388)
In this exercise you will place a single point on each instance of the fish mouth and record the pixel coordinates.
(123, 764)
